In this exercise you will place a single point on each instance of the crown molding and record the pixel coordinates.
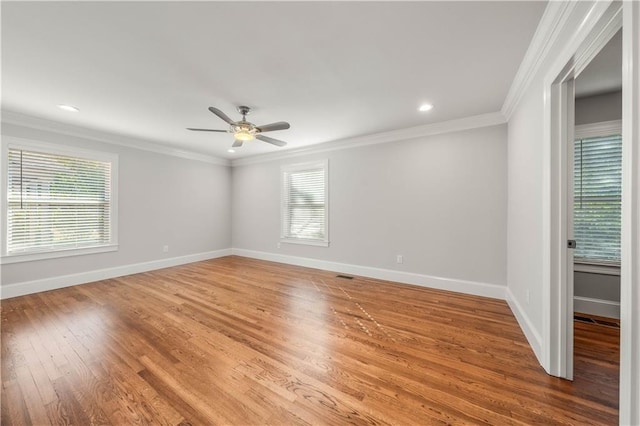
(474, 122)
(18, 119)
(553, 20)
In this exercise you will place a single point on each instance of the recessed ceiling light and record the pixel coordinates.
(425, 107)
(69, 108)
(231, 150)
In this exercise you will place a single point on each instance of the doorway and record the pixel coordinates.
(559, 337)
(595, 186)
(594, 199)
(606, 20)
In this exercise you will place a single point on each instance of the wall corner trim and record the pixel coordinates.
(461, 286)
(553, 19)
(18, 119)
(533, 337)
(37, 286)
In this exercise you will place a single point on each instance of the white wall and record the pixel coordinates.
(597, 286)
(162, 200)
(524, 234)
(594, 109)
(440, 201)
(527, 172)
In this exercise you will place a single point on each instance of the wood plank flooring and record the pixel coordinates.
(246, 342)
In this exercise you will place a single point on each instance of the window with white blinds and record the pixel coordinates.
(304, 203)
(57, 202)
(597, 198)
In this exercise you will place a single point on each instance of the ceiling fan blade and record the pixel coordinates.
(270, 140)
(222, 115)
(237, 143)
(206, 130)
(280, 125)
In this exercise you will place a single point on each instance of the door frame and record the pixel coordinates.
(630, 244)
(559, 133)
(600, 24)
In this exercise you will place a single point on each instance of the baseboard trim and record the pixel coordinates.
(37, 286)
(461, 286)
(599, 307)
(532, 335)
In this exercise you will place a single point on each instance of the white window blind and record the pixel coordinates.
(56, 202)
(597, 198)
(304, 210)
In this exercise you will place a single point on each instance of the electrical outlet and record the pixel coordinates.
(165, 249)
(279, 245)
(399, 258)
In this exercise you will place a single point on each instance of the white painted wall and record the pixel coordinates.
(526, 175)
(162, 200)
(528, 122)
(440, 201)
(524, 237)
(594, 109)
(524, 211)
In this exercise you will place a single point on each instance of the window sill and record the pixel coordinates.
(597, 268)
(305, 242)
(30, 257)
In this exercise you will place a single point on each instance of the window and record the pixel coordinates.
(57, 202)
(597, 195)
(305, 204)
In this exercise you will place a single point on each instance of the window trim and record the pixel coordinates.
(10, 142)
(324, 164)
(597, 130)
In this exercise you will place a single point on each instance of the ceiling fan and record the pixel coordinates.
(245, 131)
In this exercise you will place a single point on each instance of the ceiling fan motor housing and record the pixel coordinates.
(244, 110)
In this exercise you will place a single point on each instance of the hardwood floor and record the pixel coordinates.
(242, 341)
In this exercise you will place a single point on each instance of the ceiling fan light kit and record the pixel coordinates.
(244, 133)
(243, 130)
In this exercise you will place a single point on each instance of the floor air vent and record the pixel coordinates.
(583, 319)
(598, 321)
(607, 323)
(346, 277)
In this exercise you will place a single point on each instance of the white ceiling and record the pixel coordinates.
(604, 72)
(332, 69)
